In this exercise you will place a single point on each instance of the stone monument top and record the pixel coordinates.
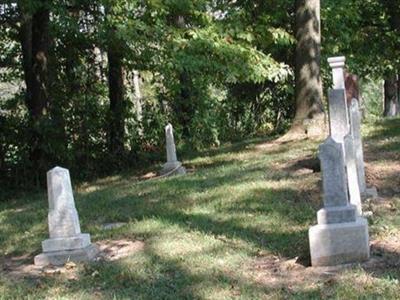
(337, 64)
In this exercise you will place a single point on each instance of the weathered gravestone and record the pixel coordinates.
(339, 125)
(352, 178)
(172, 166)
(355, 126)
(341, 236)
(66, 242)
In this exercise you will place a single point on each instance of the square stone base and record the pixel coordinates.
(340, 243)
(68, 243)
(58, 258)
(173, 168)
(369, 193)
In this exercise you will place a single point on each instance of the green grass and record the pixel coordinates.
(202, 232)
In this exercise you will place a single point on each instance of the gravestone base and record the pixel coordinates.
(66, 243)
(333, 215)
(173, 168)
(340, 243)
(58, 258)
(369, 193)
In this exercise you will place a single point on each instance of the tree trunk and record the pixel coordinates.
(25, 37)
(34, 37)
(391, 90)
(138, 100)
(309, 117)
(116, 95)
(184, 106)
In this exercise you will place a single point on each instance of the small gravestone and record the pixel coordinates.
(172, 166)
(341, 236)
(66, 242)
(355, 126)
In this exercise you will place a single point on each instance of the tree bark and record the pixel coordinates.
(309, 114)
(34, 38)
(391, 90)
(184, 105)
(116, 95)
(138, 101)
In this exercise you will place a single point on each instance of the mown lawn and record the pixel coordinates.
(234, 227)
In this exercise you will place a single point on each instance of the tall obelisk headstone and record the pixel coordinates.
(172, 166)
(339, 125)
(66, 242)
(340, 236)
(338, 115)
(355, 126)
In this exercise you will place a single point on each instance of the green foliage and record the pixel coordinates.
(218, 70)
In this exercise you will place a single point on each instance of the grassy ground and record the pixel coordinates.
(234, 227)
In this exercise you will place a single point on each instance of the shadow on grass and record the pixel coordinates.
(263, 218)
(388, 131)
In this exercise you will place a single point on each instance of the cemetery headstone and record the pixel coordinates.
(66, 242)
(172, 166)
(340, 127)
(352, 178)
(341, 236)
(338, 113)
(355, 126)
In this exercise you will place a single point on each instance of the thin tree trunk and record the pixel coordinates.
(308, 90)
(138, 100)
(116, 95)
(25, 36)
(391, 97)
(184, 106)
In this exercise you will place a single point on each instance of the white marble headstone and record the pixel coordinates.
(66, 241)
(338, 115)
(63, 217)
(333, 173)
(170, 144)
(355, 124)
(352, 178)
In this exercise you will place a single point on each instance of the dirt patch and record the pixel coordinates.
(20, 267)
(275, 273)
(291, 274)
(111, 250)
(385, 176)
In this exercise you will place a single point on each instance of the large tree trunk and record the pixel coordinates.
(391, 90)
(184, 106)
(309, 118)
(117, 103)
(34, 37)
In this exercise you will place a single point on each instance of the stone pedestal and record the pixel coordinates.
(59, 258)
(66, 242)
(339, 243)
(172, 166)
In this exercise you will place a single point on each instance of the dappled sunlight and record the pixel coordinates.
(230, 229)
